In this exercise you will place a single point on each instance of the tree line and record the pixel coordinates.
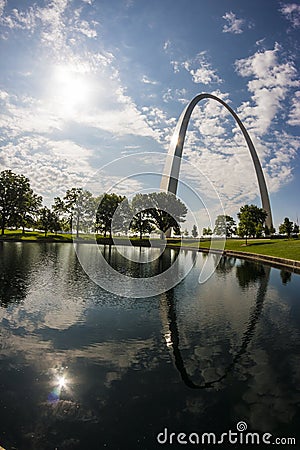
(80, 210)
(251, 225)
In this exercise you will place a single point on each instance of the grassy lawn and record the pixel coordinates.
(60, 237)
(35, 236)
(282, 248)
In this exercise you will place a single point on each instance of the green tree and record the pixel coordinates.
(48, 220)
(14, 194)
(69, 202)
(79, 205)
(107, 205)
(296, 228)
(29, 210)
(84, 214)
(57, 224)
(207, 231)
(194, 231)
(141, 225)
(166, 211)
(177, 231)
(141, 221)
(59, 208)
(224, 226)
(246, 226)
(259, 229)
(268, 230)
(286, 227)
(122, 216)
(252, 220)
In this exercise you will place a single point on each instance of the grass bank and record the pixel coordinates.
(17, 235)
(281, 248)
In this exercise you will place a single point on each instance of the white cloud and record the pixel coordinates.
(57, 24)
(2, 6)
(199, 68)
(260, 42)
(294, 114)
(4, 95)
(211, 118)
(25, 115)
(270, 83)
(84, 27)
(21, 116)
(60, 25)
(234, 24)
(204, 75)
(167, 45)
(147, 80)
(162, 125)
(47, 163)
(124, 121)
(279, 167)
(53, 166)
(20, 20)
(176, 66)
(292, 12)
(178, 95)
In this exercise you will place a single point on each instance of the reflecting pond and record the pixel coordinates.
(82, 368)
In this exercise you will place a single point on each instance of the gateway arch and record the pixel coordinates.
(172, 166)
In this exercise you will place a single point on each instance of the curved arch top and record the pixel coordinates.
(171, 171)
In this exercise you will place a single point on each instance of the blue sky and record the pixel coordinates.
(83, 83)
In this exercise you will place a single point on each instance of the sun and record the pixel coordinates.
(70, 89)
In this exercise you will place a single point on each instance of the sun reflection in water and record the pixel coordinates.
(168, 339)
(61, 383)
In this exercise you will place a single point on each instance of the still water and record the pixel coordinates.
(81, 368)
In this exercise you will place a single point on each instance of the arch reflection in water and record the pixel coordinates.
(258, 275)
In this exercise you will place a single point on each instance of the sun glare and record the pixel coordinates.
(61, 381)
(61, 385)
(70, 89)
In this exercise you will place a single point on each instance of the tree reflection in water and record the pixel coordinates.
(286, 277)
